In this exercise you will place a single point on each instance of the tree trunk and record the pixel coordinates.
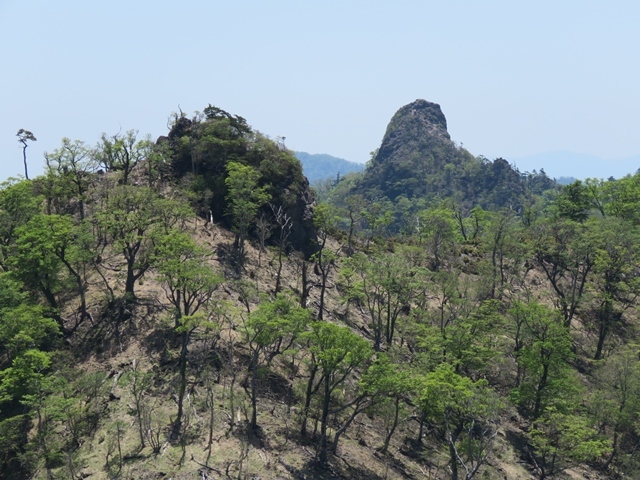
(604, 317)
(307, 401)
(183, 382)
(254, 393)
(323, 422)
(325, 273)
(541, 385)
(130, 282)
(24, 156)
(304, 294)
(392, 430)
(279, 273)
(421, 429)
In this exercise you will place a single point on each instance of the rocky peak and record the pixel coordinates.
(428, 115)
(415, 146)
(417, 120)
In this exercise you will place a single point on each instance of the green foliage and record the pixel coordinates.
(437, 231)
(13, 438)
(573, 202)
(188, 280)
(565, 251)
(474, 342)
(467, 412)
(545, 348)
(122, 152)
(25, 375)
(244, 199)
(336, 350)
(384, 284)
(274, 325)
(19, 202)
(23, 327)
(68, 176)
(561, 440)
(456, 300)
(335, 353)
(622, 198)
(271, 330)
(615, 277)
(133, 219)
(204, 146)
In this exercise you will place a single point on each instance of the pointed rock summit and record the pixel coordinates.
(415, 145)
(418, 161)
(416, 120)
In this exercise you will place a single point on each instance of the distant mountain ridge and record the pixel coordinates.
(320, 166)
(570, 164)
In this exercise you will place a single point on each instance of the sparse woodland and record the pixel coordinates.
(166, 312)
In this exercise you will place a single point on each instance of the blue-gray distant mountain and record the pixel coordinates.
(577, 165)
(566, 180)
(320, 166)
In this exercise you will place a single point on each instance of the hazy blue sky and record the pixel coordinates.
(514, 78)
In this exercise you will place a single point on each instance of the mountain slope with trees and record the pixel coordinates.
(142, 336)
(418, 160)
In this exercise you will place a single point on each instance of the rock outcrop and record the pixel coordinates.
(415, 146)
(418, 160)
(201, 149)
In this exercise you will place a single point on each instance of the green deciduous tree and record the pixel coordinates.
(615, 275)
(561, 440)
(325, 220)
(543, 356)
(122, 152)
(565, 251)
(615, 403)
(133, 219)
(466, 412)
(19, 202)
(271, 330)
(335, 353)
(48, 245)
(189, 281)
(385, 284)
(68, 176)
(244, 199)
(436, 232)
(139, 384)
(189, 284)
(35, 263)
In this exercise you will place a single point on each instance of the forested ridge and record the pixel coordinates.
(186, 309)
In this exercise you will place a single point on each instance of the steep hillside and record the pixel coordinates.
(140, 339)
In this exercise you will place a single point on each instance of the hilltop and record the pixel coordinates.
(418, 159)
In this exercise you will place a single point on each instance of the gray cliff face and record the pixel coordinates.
(413, 129)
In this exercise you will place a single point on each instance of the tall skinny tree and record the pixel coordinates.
(25, 136)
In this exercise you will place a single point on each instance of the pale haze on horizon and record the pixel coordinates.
(514, 79)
